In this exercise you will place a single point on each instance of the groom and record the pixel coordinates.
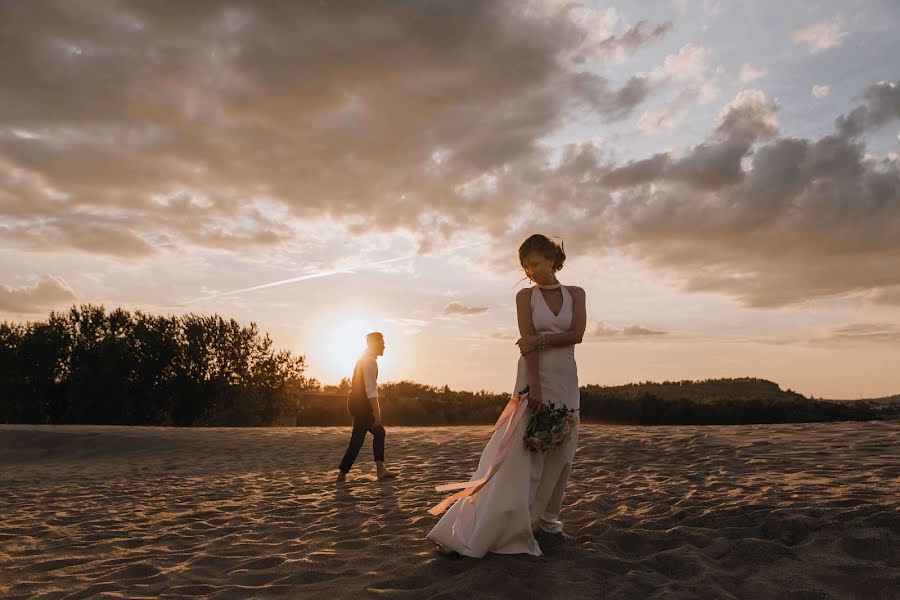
(363, 406)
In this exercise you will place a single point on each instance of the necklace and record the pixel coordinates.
(551, 286)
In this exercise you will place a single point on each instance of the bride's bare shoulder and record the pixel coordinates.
(574, 289)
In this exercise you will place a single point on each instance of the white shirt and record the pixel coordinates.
(370, 373)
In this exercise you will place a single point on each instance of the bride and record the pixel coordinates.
(525, 494)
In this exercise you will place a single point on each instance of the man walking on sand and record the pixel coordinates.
(363, 406)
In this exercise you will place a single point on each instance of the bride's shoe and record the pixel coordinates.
(562, 536)
(445, 551)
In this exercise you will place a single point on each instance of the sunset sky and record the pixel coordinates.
(725, 177)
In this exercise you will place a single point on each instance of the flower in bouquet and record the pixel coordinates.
(550, 426)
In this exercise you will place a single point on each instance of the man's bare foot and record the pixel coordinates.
(385, 474)
(341, 477)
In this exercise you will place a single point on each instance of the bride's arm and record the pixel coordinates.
(526, 328)
(579, 321)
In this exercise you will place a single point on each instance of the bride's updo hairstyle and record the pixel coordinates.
(544, 246)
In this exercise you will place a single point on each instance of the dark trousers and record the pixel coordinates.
(361, 424)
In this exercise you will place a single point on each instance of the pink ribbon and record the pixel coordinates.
(511, 416)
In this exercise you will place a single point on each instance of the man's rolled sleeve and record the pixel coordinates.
(370, 376)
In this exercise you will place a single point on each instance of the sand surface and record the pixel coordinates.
(797, 511)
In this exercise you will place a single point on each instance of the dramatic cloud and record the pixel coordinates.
(455, 308)
(717, 161)
(138, 126)
(768, 220)
(820, 37)
(46, 293)
(805, 219)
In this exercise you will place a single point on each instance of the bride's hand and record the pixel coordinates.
(528, 343)
(535, 398)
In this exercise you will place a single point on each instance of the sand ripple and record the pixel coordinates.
(797, 511)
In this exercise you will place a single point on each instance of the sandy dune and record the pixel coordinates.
(770, 511)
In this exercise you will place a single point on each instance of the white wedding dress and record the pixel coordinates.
(529, 485)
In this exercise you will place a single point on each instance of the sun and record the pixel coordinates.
(343, 341)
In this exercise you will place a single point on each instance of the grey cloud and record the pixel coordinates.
(716, 162)
(329, 109)
(882, 105)
(639, 35)
(160, 124)
(810, 234)
(808, 219)
(611, 105)
(47, 292)
(637, 172)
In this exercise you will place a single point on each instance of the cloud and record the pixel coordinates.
(715, 162)
(767, 220)
(694, 80)
(504, 335)
(597, 331)
(639, 35)
(602, 331)
(820, 36)
(323, 110)
(820, 91)
(688, 64)
(857, 333)
(455, 308)
(408, 326)
(806, 219)
(48, 291)
(748, 73)
(655, 120)
(882, 104)
(225, 127)
(889, 295)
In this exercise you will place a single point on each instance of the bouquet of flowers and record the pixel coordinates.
(549, 427)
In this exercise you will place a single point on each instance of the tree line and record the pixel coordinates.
(90, 365)
(704, 402)
(93, 366)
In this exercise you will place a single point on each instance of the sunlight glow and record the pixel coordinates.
(343, 341)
